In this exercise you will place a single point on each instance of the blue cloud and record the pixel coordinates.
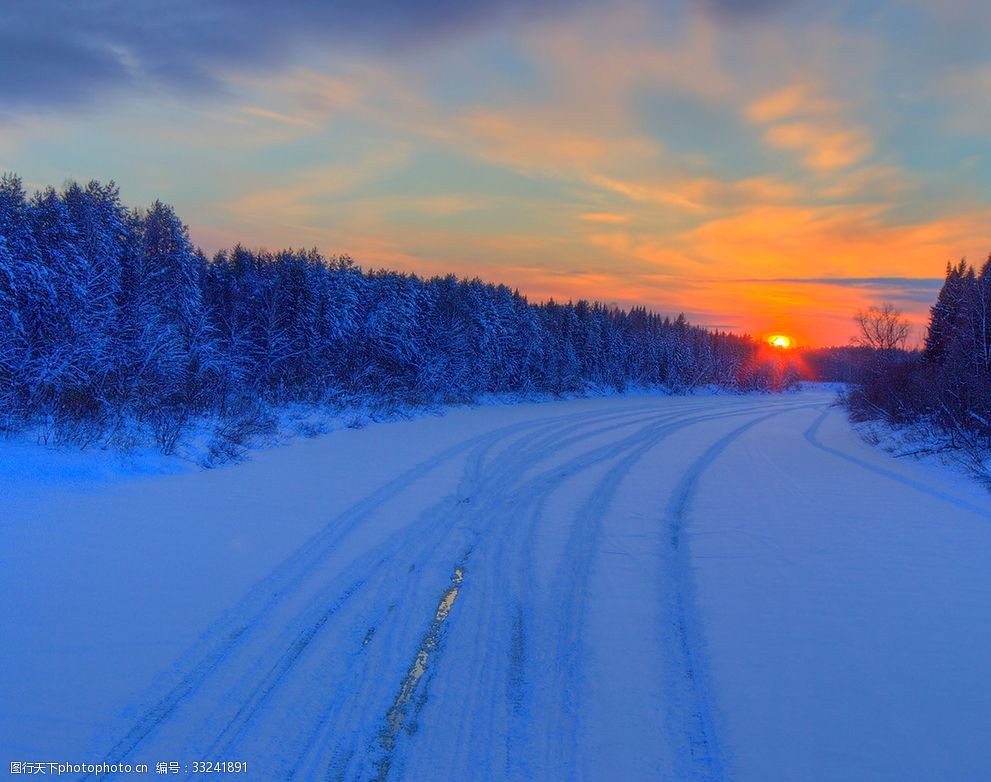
(54, 69)
(926, 283)
(919, 290)
(55, 53)
(736, 9)
(63, 52)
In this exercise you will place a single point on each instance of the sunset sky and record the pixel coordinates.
(766, 167)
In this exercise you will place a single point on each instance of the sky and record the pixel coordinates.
(764, 167)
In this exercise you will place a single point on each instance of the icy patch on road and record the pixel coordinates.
(399, 713)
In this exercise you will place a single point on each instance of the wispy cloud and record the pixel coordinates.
(793, 100)
(768, 165)
(799, 118)
(821, 148)
(59, 52)
(604, 217)
(917, 283)
(302, 195)
(277, 116)
(913, 291)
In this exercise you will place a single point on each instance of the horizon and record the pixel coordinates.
(636, 154)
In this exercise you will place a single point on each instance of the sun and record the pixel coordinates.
(779, 341)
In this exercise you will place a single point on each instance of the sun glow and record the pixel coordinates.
(779, 341)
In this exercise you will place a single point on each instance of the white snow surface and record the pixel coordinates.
(648, 588)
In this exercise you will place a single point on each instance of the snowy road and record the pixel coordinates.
(708, 588)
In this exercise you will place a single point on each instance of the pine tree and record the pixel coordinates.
(946, 313)
(108, 314)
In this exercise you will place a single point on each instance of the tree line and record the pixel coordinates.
(110, 315)
(946, 385)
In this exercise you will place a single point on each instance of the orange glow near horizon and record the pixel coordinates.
(780, 341)
(602, 174)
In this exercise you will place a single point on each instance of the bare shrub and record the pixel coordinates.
(236, 432)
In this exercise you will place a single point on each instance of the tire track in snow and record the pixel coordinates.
(606, 452)
(375, 562)
(541, 485)
(531, 494)
(232, 632)
(811, 434)
(484, 480)
(582, 551)
(264, 596)
(440, 526)
(528, 505)
(503, 486)
(700, 756)
(569, 592)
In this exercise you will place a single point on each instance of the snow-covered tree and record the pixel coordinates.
(107, 314)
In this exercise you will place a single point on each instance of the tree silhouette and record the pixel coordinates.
(881, 328)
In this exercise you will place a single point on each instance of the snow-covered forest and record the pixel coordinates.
(110, 316)
(945, 388)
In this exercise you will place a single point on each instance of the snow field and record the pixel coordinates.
(631, 588)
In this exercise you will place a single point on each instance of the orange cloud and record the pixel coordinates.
(823, 148)
(868, 182)
(772, 240)
(797, 99)
(302, 197)
(604, 217)
(533, 140)
(703, 194)
(685, 194)
(800, 118)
